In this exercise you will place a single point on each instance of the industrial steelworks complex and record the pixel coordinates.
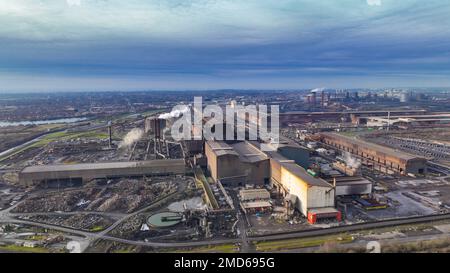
(298, 178)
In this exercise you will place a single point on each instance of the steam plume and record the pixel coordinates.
(318, 89)
(351, 161)
(132, 136)
(175, 113)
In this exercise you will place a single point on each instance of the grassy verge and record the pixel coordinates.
(37, 237)
(227, 248)
(301, 243)
(97, 228)
(14, 248)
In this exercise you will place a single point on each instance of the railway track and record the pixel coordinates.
(292, 235)
(353, 227)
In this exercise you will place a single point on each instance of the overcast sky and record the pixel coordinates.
(76, 45)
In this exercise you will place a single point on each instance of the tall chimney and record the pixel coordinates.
(323, 98)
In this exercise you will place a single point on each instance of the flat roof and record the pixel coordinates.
(248, 153)
(101, 166)
(279, 157)
(306, 177)
(221, 148)
(253, 190)
(353, 112)
(256, 204)
(440, 115)
(323, 210)
(358, 182)
(386, 150)
(293, 167)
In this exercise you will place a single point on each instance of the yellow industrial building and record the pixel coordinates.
(244, 163)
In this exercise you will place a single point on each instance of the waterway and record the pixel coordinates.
(40, 122)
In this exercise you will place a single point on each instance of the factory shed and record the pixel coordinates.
(222, 160)
(381, 158)
(410, 121)
(88, 171)
(256, 206)
(352, 186)
(293, 151)
(237, 164)
(254, 194)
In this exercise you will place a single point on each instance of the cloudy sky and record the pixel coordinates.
(50, 45)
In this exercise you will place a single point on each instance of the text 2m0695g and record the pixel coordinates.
(246, 262)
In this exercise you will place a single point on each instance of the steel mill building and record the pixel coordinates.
(88, 171)
(244, 163)
(379, 157)
(237, 164)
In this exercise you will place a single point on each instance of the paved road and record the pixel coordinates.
(246, 245)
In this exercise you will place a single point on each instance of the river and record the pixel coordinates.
(40, 122)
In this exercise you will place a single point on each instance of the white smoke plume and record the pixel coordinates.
(318, 89)
(132, 136)
(174, 113)
(351, 161)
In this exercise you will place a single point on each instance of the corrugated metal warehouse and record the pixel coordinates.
(294, 151)
(351, 185)
(380, 157)
(85, 172)
(237, 164)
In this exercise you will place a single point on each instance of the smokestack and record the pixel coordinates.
(389, 120)
(323, 98)
(157, 126)
(314, 98)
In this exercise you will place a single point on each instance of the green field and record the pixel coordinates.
(14, 248)
(301, 243)
(58, 136)
(97, 228)
(227, 248)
